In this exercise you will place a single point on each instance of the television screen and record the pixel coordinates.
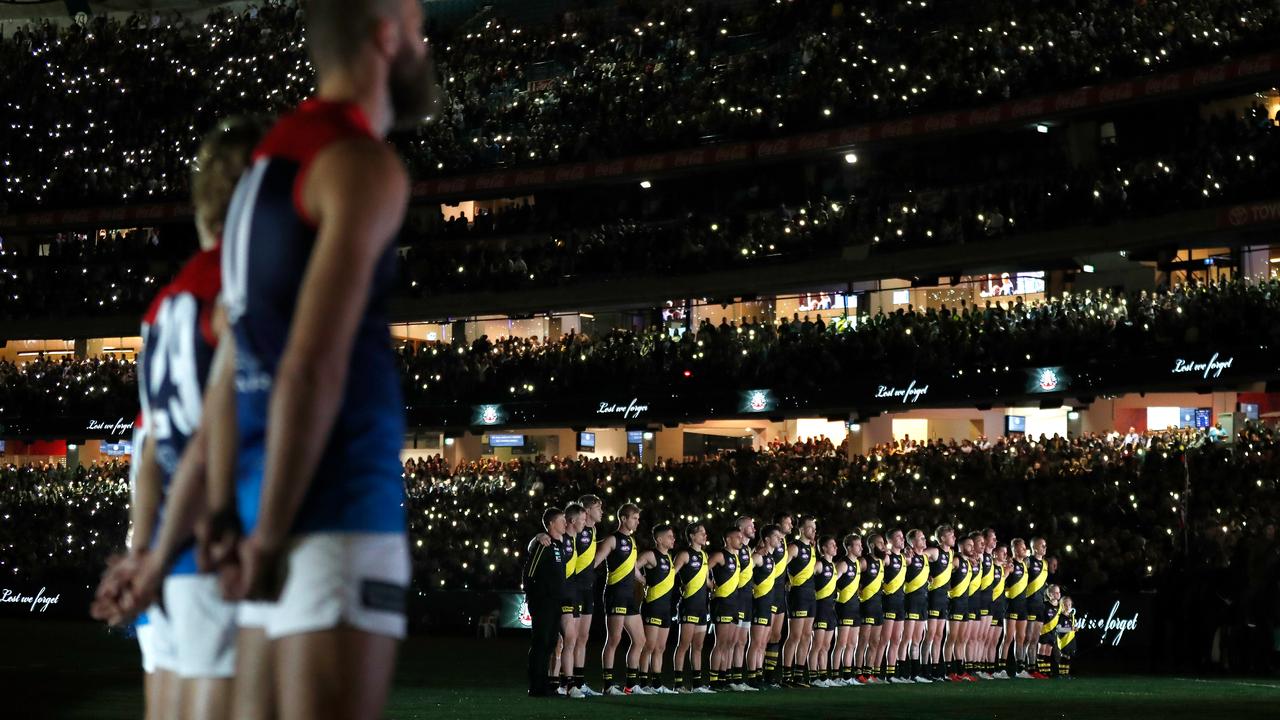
(586, 441)
(506, 441)
(1015, 423)
(635, 437)
(117, 449)
(1250, 410)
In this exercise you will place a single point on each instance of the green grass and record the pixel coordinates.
(77, 670)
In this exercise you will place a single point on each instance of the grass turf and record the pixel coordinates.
(77, 670)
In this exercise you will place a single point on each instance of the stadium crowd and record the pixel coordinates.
(1172, 511)
(791, 356)
(585, 86)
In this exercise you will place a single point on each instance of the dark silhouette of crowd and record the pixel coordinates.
(793, 356)
(90, 115)
(1177, 511)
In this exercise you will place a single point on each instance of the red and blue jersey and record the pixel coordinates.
(178, 344)
(268, 243)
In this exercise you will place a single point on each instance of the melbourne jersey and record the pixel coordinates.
(177, 354)
(269, 239)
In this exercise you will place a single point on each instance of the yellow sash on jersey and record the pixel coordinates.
(779, 567)
(745, 569)
(848, 591)
(728, 587)
(699, 580)
(1051, 623)
(1039, 580)
(1019, 586)
(989, 576)
(919, 580)
(943, 578)
(765, 586)
(659, 591)
(975, 578)
(571, 565)
(894, 584)
(625, 568)
(1065, 639)
(828, 589)
(997, 590)
(870, 590)
(806, 572)
(961, 589)
(587, 556)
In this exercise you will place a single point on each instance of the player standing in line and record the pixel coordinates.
(872, 601)
(762, 595)
(917, 607)
(848, 609)
(308, 265)
(1014, 642)
(618, 554)
(941, 563)
(746, 603)
(802, 560)
(724, 606)
(585, 574)
(694, 611)
(659, 608)
(825, 580)
(773, 651)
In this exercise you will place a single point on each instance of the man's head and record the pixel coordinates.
(1039, 546)
(1019, 547)
(853, 545)
(733, 539)
(594, 507)
(896, 540)
(917, 541)
(573, 517)
(628, 518)
(696, 534)
(771, 538)
(946, 535)
(356, 37)
(828, 546)
(784, 521)
(808, 529)
(664, 537)
(553, 521)
(223, 156)
(747, 525)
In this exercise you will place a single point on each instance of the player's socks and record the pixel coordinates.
(632, 675)
(607, 676)
(787, 674)
(1064, 667)
(579, 676)
(1042, 664)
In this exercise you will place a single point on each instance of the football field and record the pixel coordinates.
(77, 670)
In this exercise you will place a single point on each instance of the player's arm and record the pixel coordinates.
(112, 599)
(793, 550)
(681, 559)
(357, 192)
(602, 551)
(146, 498)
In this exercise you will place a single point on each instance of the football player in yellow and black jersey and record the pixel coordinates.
(570, 610)
(824, 621)
(916, 591)
(1037, 584)
(958, 598)
(895, 577)
(618, 552)
(1048, 638)
(763, 578)
(1015, 638)
(724, 607)
(693, 580)
(986, 635)
(871, 597)
(746, 601)
(973, 628)
(659, 608)
(941, 564)
(1066, 640)
(773, 651)
(848, 609)
(999, 611)
(585, 575)
(802, 560)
